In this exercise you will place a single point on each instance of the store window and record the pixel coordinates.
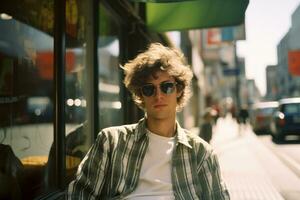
(26, 96)
(110, 106)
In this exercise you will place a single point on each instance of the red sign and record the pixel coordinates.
(213, 36)
(294, 62)
(45, 60)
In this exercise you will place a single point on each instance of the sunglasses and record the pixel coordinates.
(166, 87)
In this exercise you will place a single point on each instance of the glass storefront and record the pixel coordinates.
(27, 90)
(26, 95)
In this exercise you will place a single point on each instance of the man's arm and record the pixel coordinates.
(90, 174)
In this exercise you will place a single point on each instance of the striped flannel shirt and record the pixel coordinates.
(111, 168)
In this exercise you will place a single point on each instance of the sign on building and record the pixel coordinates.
(294, 62)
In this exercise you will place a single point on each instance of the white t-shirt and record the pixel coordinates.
(155, 178)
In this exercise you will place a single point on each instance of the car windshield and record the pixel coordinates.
(265, 111)
(268, 111)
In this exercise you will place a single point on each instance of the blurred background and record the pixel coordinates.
(61, 83)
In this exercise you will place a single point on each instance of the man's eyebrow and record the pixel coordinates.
(169, 80)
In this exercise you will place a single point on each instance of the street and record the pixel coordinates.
(288, 151)
(253, 166)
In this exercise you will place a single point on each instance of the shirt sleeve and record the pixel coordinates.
(90, 178)
(214, 187)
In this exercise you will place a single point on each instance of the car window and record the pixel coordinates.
(291, 108)
(265, 111)
(268, 111)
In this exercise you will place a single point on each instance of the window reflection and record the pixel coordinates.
(27, 93)
(75, 86)
(78, 139)
(26, 106)
(109, 82)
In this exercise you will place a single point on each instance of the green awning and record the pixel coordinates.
(161, 1)
(193, 14)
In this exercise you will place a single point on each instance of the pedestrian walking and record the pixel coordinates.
(206, 126)
(154, 158)
(243, 115)
(242, 119)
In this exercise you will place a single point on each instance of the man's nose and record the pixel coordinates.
(158, 93)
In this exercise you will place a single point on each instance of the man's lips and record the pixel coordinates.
(159, 105)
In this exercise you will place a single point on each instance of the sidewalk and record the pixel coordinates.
(250, 170)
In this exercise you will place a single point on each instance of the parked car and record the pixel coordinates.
(260, 116)
(286, 119)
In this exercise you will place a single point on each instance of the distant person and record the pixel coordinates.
(206, 126)
(242, 119)
(243, 115)
(154, 158)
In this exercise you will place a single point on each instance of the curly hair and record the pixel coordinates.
(158, 58)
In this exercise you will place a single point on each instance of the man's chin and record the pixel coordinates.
(159, 115)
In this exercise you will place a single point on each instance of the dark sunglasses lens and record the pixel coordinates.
(148, 90)
(167, 88)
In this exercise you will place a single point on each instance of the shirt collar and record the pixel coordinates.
(180, 137)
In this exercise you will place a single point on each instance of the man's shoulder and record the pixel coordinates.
(127, 128)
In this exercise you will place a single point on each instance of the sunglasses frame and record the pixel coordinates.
(161, 87)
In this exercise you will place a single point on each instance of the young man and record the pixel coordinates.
(155, 158)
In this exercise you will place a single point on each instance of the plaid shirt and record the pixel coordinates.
(111, 168)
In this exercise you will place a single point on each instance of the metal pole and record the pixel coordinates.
(59, 89)
(92, 69)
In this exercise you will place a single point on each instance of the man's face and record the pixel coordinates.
(160, 96)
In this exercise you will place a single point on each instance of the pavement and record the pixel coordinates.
(250, 170)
